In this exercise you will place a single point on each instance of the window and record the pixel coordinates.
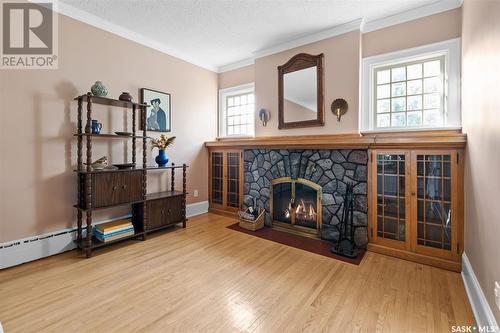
(412, 89)
(410, 94)
(236, 111)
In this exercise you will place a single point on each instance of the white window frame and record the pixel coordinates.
(452, 105)
(223, 94)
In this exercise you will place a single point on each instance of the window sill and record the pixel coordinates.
(406, 130)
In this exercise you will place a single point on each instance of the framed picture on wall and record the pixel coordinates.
(159, 113)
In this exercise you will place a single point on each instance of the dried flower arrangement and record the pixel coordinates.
(163, 142)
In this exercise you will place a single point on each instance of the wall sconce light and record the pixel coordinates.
(264, 116)
(339, 107)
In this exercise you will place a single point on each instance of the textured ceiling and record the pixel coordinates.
(220, 32)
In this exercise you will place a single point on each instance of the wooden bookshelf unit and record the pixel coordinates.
(101, 189)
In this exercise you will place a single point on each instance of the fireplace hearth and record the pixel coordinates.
(295, 205)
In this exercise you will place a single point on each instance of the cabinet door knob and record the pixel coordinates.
(115, 187)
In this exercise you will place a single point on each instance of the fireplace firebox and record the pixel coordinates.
(295, 206)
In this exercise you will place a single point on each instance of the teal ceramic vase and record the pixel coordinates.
(98, 89)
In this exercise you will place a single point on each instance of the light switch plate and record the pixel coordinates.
(195, 193)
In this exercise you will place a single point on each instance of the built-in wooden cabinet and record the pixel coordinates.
(225, 180)
(416, 205)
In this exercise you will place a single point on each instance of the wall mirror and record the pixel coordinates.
(300, 92)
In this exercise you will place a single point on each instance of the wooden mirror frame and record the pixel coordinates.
(298, 62)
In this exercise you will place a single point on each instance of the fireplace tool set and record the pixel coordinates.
(345, 246)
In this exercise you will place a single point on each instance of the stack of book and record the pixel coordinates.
(114, 230)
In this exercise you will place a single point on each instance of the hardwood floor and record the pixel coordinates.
(208, 278)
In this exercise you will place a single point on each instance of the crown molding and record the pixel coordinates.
(304, 40)
(236, 65)
(362, 25)
(118, 30)
(308, 39)
(410, 15)
(359, 24)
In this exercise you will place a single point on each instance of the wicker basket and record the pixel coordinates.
(253, 225)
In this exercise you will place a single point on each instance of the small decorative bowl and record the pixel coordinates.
(98, 89)
(125, 96)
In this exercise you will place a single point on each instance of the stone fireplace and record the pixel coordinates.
(320, 176)
(295, 205)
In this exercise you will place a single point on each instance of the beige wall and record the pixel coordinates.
(426, 30)
(37, 122)
(237, 77)
(340, 69)
(341, 63)
(480, 110)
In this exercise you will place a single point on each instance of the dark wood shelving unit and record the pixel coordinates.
(95, 243)
(112, 136)
(101, 189)
(149, 196)
(110, 101)
(151, 168)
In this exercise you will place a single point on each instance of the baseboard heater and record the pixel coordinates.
(41, 246)
(36, 247)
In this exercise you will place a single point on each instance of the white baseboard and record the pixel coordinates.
(482, 311)
(32, 248)
(196, 208)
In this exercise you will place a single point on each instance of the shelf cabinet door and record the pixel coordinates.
(225, 179)
(154, 213)
(435, 203)
(390, 182)
(113, 188)
(172, 212)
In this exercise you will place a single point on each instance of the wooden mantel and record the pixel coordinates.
(422, 139)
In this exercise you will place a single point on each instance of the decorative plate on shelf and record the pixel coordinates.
(124, 133)
(125, 165)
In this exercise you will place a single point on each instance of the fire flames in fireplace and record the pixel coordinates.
(302, 211)
(296, 206)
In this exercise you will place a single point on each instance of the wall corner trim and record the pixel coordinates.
(482, 311)
(236, 65)
(17, 252)
(410, 15)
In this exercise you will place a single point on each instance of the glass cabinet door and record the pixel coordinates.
(225, 180)
(391, 200)
(233, 179)
(434, 191)
(217, 169)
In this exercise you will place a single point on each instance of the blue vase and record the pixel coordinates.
(162, 158)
